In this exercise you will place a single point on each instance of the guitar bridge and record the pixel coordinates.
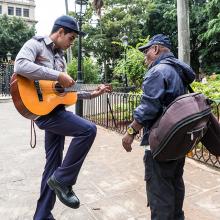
(38, 89)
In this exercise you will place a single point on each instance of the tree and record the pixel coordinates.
(14, 32)
(133, 66)
(139, 19)
(119, 18)
(98, 4)
(162, 19)
(210, 37)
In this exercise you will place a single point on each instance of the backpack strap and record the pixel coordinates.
(181, 74)
(190, 88)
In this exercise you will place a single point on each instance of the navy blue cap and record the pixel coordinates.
(157, 39)
(69, 22)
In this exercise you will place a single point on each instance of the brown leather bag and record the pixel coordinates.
(185, 122)
(181, 127)
(211, 139)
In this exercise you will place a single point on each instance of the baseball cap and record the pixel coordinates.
(69, 22)
(157, 39)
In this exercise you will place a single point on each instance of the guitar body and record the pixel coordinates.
(30, 103)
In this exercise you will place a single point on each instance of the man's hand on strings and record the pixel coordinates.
(103, 88)
(65, 80)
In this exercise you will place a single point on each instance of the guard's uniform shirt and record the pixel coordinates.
(38, 59)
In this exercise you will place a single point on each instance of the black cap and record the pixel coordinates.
(157, 39)
(69, 22)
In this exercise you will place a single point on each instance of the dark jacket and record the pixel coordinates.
(162, 84)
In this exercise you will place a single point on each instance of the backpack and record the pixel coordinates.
(211, 139)
(181, 126)
(184, 123)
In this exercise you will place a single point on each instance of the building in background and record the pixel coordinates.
(19, 8)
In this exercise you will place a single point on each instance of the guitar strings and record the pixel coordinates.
(52, 89)
(49, 91)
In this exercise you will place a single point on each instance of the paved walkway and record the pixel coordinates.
(110, 184)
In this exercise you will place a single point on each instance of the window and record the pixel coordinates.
(10, 10)
(18, 11)
(26, 12)
(0, 9)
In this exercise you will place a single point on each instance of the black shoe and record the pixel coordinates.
(64, 193)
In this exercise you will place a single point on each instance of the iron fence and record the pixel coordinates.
(6, 71)
(114, 111)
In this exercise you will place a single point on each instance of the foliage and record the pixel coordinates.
(210, 36)
(213, 11)
(162, 19)
(205, 32)
(90, 70)
(121, 17)
(211, 89)
(139, 19)
(14, 32)
(132, 66)
(124, 110)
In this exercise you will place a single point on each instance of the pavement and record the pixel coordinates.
(110, 185)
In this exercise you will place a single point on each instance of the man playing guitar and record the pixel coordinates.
(42, 58)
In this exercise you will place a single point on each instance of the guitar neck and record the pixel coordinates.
(79, 87)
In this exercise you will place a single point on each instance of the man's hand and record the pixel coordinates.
(127, 140)
(103, 88)
(65, 80)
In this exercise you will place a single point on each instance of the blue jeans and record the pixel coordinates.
(165, 188)
(57, 125)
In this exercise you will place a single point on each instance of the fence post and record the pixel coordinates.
(107, 110)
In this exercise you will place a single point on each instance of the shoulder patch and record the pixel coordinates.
(38, 38)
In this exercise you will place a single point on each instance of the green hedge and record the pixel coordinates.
(211, 89)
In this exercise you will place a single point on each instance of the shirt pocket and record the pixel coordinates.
(43, 61)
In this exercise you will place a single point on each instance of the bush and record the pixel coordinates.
(90, 70)
(133, 66)
(211, 89)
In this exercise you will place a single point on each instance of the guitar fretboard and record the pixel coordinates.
(81, 87)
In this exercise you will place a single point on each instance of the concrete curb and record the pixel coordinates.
(5, 99)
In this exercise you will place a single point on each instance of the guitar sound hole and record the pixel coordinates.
(59, 88)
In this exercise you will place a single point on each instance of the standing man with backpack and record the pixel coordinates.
(42, 58)
(162, 84)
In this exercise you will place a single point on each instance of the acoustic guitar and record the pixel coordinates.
(33, 98)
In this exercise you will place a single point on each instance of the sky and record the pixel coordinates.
(47, 11)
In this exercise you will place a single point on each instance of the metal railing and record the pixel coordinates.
(114, 111)
(200, 153)
(6, 71)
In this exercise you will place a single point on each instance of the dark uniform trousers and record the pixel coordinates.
(57, 125)
(165, 188)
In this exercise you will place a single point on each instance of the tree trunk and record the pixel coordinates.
(183, 30)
